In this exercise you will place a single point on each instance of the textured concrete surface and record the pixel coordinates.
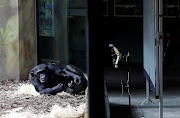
(119, 103)
(9, 40)
(27, 39)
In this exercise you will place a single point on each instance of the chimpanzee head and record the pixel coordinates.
(41, 73)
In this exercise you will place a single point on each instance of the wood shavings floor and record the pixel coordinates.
(20, 97)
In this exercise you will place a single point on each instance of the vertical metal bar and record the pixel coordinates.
(160, 59)
(147, 91)
(128, 81)
(157, 45)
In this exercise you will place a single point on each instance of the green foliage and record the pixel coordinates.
(4, 37)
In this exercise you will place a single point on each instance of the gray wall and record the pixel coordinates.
(18, 46)
(77, 41)
(9, 40)
(60, 28)
(27, 39)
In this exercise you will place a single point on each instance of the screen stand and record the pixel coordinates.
(147, 101)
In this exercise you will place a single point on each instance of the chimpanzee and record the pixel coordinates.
(55, 69)
(51, 79)
(44, 81)
(76, 80)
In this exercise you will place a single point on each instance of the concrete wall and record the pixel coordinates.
(17, 41)
(60, 28)
(77, 4)
(27, 39)
(9, 40)
(77, 41)
(77, 12)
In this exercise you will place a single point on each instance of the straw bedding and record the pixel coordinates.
(20, 100)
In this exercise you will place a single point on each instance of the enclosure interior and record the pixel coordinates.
(59, 29)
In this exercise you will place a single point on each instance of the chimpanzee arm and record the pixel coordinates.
(43, 90)
(53, 90)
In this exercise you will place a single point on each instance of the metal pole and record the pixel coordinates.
(160, 58)
(147, 91)
(128, 82)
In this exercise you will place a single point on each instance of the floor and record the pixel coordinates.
(19, 99)
(119, 99)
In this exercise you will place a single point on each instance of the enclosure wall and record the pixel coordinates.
(27, 39)
(17, 38)
(9, 40)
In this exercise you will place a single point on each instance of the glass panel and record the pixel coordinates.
(77, 41)
(62, 36)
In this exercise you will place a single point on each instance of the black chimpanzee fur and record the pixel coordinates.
(77, 81)
(56, 70)
(44, 81)
(51, 79)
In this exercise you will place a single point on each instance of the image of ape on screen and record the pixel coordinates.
(76, 81)
(44, 81)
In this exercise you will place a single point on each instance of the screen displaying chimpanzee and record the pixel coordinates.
(51, 79)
